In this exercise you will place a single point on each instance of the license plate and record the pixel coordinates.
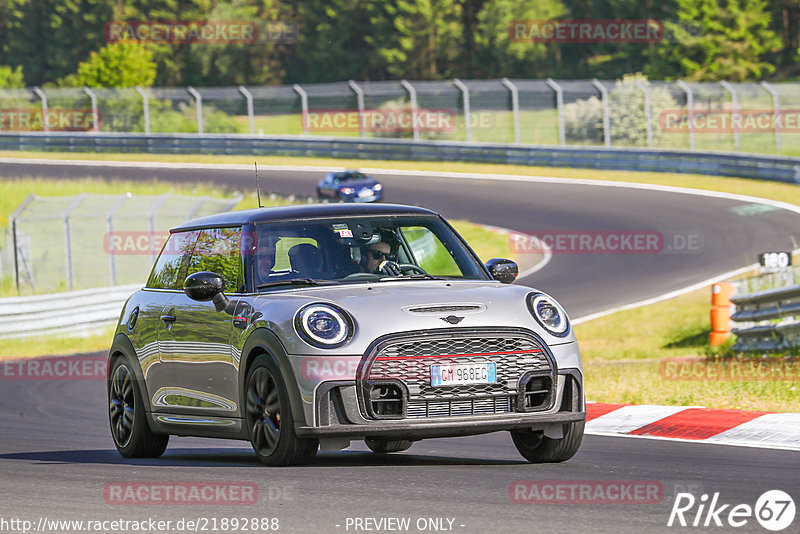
(365, 193)
(463, 373)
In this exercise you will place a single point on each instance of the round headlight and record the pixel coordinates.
(549, 314)
(323, 325)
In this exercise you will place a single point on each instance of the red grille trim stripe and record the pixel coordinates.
(531, 351)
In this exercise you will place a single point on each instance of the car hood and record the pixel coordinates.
(383, 308)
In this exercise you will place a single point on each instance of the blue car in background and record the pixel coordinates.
(349, 186)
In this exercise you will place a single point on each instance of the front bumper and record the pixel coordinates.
(464, 426)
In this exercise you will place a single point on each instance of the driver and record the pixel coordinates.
(379, 258)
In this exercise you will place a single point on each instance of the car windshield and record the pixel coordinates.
(351, 176)
(359, 249)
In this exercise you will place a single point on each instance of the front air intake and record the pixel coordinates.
(386, 400)
(535, 392)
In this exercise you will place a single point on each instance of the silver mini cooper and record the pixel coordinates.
(306, 327)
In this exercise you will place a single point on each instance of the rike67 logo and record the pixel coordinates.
(774, 510)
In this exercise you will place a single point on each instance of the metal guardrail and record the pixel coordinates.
(73, 312)
(756, 314)
(763, 167)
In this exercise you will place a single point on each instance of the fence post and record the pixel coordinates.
(13, 222)
(734, 111)
(465, 92)
(606, 120)
(648, 112)
(145, 108)
(152, 224)
(198, 99)
(562, 134)
(95, 113)
(112, 267)
(360, 99)
(43, 97)
(690, 107)
(775, 113)
(412, 95)
(514, 107)
(68, 239)
(303, 105)
(250, 114)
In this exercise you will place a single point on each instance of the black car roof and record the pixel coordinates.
(299, 211)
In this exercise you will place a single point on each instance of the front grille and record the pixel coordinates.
(410, 361)
(447, 408)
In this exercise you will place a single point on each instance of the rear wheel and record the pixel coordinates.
(535, 447)
(126, 415)
(269, 418)
(388, 445)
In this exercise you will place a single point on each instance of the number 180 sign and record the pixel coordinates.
(774, 261)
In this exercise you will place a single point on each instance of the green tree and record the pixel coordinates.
(504, 51)
(11, 78)
(427, 40)
(122, 64)
(339, 40)
(732, 40)
(50, 37)
(260, 63)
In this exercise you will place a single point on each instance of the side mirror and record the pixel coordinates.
(502, 270)
(203, 285)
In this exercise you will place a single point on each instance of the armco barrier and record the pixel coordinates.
(761, 307)
(763, 167)
(73, 312)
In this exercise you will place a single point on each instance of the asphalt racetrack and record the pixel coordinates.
(57, 458)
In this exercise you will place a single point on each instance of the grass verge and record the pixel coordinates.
(31, 347)
(622, 356)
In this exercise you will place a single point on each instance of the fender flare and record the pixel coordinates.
(263, 340)
(122, 345)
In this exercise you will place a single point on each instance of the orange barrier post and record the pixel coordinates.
(721, 294)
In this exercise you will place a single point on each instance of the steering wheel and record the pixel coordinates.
(411, 267)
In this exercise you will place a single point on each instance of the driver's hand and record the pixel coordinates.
(389, 267)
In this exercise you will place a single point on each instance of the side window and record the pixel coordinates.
(167, 271)
(282, 248)
(219, 250)
(430, 253)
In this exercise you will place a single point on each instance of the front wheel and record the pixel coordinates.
(132, 436)
(387, 445)
(535, 447)
(269, 418)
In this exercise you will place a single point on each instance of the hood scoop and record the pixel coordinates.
(438, 309)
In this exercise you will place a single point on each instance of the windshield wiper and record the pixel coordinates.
(298, 282)
(418, 276)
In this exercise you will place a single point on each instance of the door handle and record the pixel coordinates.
(169, 319)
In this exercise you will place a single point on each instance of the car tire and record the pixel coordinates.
(382, 446)
(269, 418)
(126, 415)
(535, 447)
